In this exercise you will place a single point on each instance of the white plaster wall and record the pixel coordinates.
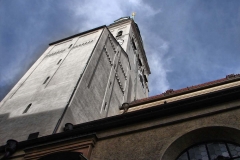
(49, 99)
(94, 63)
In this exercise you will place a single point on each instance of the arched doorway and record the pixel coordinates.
(200, 136)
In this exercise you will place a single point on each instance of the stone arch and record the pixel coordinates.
(216, 133)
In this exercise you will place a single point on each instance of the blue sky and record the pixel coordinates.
(187, 42)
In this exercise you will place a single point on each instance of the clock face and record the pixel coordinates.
(120, 41)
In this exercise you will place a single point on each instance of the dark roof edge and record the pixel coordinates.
(122, 18)
(182, 91)
(118, 22)
(206, 98)
(50, 139)
(64, 39)
(90, 128)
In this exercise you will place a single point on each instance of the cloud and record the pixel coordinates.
(143, 7)
(105, 12)
(28, 28)
(186, 43)
(159, 62)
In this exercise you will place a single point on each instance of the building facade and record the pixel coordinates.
(78, 79)
(195, 123)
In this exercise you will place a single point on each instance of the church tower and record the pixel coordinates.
(82, 78)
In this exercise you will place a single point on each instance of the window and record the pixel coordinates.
(141, 80)
(59, 61)
(139, 62)
(70, 46)
(134, 45)
(212, 151)
(119, 33)
(105, 106)
(46, 80)
(145, 78)
(25, 111)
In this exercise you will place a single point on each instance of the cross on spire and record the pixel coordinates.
(133, 14)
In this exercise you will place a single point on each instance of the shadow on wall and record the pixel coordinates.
(20, 127)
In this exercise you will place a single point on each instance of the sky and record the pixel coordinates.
(187, 42)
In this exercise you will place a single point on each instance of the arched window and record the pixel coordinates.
(211, 151)
(119, 33)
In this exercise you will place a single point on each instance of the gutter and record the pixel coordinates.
(91, 128)
(186, 90)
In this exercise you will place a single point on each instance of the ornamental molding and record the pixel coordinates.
(119, 83)
(108, 56)
(111, 42)
(82, 44)
(168, 92)
(54, 53)
(121, 66)
(233, 76)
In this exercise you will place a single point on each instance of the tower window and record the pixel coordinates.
(70, 46)
(139, 62)
(134, 45)
(25, 111)
(59, 61)
(105, 106)
(141, 80)
(145, 78)
(212, 150)
(46, 80)
(119, 33)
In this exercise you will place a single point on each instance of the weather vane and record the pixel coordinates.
(133, 14)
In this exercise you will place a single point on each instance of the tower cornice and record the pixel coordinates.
(75, 35)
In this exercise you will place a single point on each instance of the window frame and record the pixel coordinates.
(208, 153)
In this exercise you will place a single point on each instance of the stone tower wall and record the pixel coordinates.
(40, 97)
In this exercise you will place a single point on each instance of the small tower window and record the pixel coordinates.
(119, 33)
(25, 111)
(105, 106)
(145, 78)
(141, 80)
(139, 62)
(59, 61)
(46, 80)
(134, 45)
(70, 46)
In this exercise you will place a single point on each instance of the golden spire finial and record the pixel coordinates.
(133, 14)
